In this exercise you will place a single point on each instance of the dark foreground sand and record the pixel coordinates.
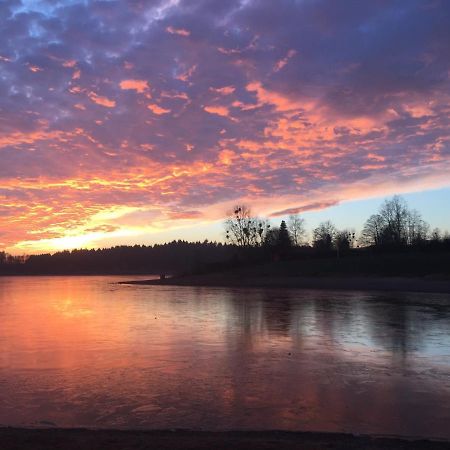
(73, 439)
(393, 284)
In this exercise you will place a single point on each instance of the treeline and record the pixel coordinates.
(173, 257)
(395, 227)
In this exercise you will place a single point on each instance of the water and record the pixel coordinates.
(85, 351)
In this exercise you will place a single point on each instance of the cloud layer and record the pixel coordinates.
(119, 116)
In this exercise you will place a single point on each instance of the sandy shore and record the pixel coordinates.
(76, 439)
(394, 284)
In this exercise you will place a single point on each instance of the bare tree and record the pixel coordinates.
(323, 236)
(395, 217)
(244, 230)
(373, 230)
(297, 230)
(436, 235)
(418, 229)
(395, 224)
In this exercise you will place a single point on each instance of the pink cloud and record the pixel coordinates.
(219, 110)
(307, 207)
(70, 63)
(103, 101)
(226, 90)
(139, 86)
(156, 109)
(178, 31)
(282, 62)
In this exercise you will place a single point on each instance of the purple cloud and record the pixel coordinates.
(187, 105)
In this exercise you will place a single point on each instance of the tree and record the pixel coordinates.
(323, 236)
(244, 230)
(297, 230)
(394, 225)
(418, 229)
(436, 235)
(373, 230)
(395, 217)
(283, 240)
(343, 241)
(271, 237)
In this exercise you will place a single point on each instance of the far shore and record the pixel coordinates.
(360, 283)
(74, 439)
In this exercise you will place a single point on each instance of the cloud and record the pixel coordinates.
(282, 62)
(178, 31)
(219, 110)
(226, 90)
(140, 86)
(295, 106)
(185, 215)
(103, 101)
(155, 109)
(304, 208)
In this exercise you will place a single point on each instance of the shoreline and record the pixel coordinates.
(99, 439)
(384, 284)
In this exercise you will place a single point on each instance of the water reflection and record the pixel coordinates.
(80, 351)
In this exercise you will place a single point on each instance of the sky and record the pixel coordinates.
(127, 122)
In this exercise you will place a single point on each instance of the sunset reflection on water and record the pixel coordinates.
(85, 351)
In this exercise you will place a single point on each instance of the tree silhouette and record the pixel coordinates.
(323, 236)
(297, 230)
(343, 241)
(395, 225)
(283, 240)
(244, 230)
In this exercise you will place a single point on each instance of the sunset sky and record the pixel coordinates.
(138, 121)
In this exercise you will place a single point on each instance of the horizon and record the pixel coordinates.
(337, 214)
(141, 123)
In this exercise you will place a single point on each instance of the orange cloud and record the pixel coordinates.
(226, 157)
(103, 101)
(156, 109)
(373, 166)
(139, 86)
(187, 74)
(281, 102)
(18, 138)
(184, 215)
(219, 110)
(35, 69)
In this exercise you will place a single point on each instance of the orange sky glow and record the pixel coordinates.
(161, 117)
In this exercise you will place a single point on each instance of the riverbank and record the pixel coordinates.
(239, 280)
(75, 439)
